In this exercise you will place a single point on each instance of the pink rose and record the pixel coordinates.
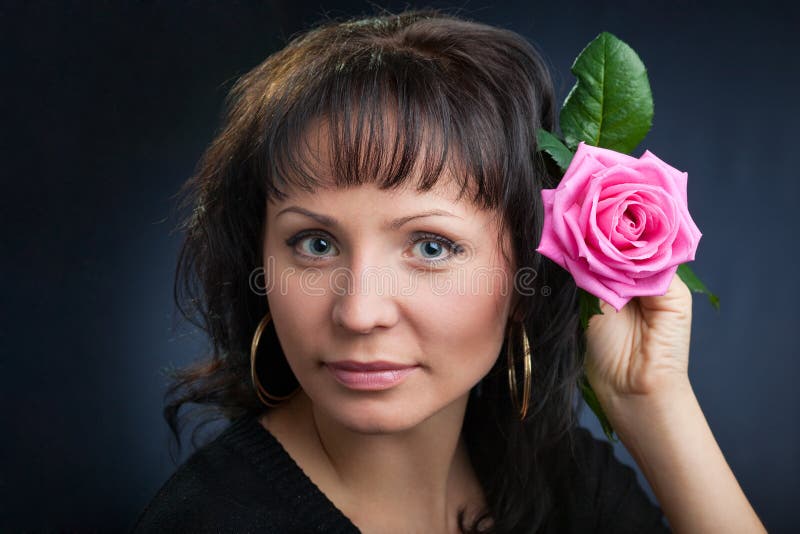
(618, 224)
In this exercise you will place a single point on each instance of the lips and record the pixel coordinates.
(380, 365)
(370, 376)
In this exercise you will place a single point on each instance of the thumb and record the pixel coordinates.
(677, 299)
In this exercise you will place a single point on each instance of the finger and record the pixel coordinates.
(678, 298)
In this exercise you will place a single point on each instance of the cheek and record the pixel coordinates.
(298, 306)
(467, 325)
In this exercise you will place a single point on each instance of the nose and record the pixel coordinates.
(365, 297)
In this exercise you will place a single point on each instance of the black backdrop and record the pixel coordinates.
(107, 107)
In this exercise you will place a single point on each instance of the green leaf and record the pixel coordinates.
(589, 305)
(694, 284)
(611, 105)
(591, 399)
(553, 146)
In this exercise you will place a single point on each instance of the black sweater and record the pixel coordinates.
(245, 481)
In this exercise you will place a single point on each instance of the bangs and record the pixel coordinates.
(384, 118)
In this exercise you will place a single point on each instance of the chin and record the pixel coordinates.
(370, 417)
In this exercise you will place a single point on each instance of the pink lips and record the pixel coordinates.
(372, 376)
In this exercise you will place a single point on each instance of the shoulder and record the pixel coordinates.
(598, 491)
(242, 481)
(217, 489)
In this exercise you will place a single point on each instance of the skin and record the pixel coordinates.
(379, 455)
(637, 363)
(400, 449)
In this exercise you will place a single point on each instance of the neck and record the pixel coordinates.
(422, 474)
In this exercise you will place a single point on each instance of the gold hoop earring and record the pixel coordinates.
(512, 376)
(262, 393)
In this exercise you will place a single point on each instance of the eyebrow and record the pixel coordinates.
(394, 224)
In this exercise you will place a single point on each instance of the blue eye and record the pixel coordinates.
(433, 245)
(318, 245)
(314, 245)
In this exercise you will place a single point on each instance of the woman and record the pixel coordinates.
(361, 252)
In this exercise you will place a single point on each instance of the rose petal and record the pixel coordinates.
(655, 234)
(549, 245)
(661, 228)
(656, 284)
(620, 191)
(572, 186)
(679, 178)
(550, 249)
(589, 281)
(618, 224)
(607, 157)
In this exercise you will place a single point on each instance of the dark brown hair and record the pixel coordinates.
(472, 96)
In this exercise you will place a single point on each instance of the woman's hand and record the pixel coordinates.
(637, 363)
(642, 350)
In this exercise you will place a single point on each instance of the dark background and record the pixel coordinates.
(107, 107)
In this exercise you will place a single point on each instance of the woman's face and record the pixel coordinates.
(387, 312)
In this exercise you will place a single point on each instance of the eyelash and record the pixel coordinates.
(418, 237)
